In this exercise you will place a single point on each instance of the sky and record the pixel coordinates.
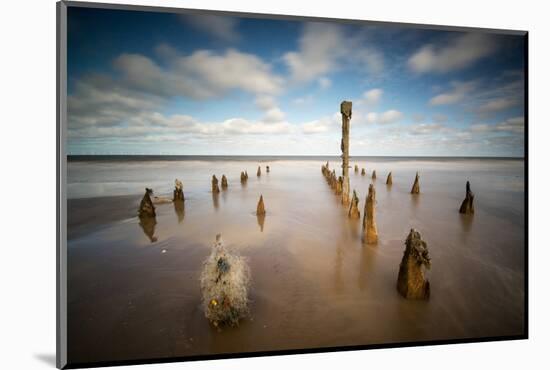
(181, 84)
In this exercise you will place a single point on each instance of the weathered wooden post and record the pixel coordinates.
(389, 180)
(354, 207)
(467, 206)
(345, 110)
(215, 187)
(178, 191)
(146, 207)
(370, 233)
(416, 186)
(260, 209)
(411, 282)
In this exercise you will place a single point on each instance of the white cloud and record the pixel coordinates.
(232, 70)
(390, 116)
(324, 47)
(201, 75)
(372, 97)
(319, 48)
(322, 125)
(220, 27)
(303, 100)
(99, 101)
(265, 102)
(154, 124)
(499, 104)
(369, 58)
(315, 127)
(426, 128)
(274, 115)
(440, 118)
(324, 83)
(514, 125)
(457, 94)
(458, 53)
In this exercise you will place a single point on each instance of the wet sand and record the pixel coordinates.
(313, 282)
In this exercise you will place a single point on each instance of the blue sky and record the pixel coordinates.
(160, 83)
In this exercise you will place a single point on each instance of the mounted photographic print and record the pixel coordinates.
(234, 184)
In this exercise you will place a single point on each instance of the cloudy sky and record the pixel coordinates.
(159, 83)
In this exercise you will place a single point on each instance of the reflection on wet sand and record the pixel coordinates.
(415, 200)
(354, 227)
(148, 226)
(339, 260)
(216, 200)
(366, 265)
(261, 221)
(466, 222)
(179, 208)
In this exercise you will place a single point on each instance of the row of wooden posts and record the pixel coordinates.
(411, 282)
(260, 208)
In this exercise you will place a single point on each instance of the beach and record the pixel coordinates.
(134, 293)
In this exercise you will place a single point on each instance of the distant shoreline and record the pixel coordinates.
(138, 157)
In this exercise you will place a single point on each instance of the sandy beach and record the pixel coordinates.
(314, 284)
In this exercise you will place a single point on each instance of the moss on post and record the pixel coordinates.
(411, 282)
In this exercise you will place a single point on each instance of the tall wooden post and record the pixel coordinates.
(345, 109)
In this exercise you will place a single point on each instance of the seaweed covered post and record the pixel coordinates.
(224, 182)
(354, 207)
(345, 110)
(215, 187)
(259, 172)
(389, 180)
(146, 207)
(178, 191)
(363, 172)
(374, 174)
(225, 281)
(467, 206)
(356, 169)
(411, 282)
(260, 209)
(267, 169)
(243, 177)
(416, 186)
(370, 233)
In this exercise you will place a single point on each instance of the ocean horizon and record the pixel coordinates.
(183, 157)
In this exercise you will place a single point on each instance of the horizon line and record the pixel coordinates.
(290, 155)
